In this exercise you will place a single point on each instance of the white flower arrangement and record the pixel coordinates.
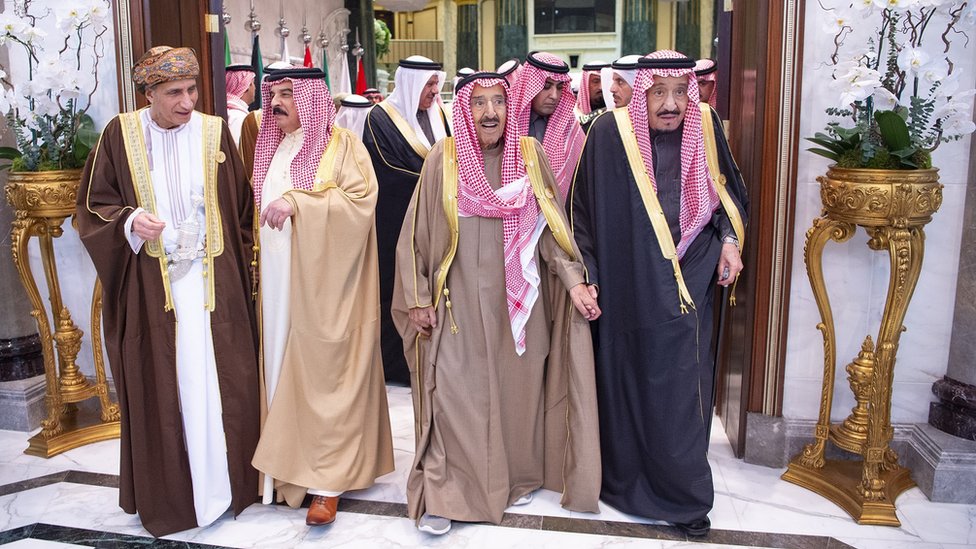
(47, 112)
(903, 99)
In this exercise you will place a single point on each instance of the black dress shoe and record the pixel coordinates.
(695, 529)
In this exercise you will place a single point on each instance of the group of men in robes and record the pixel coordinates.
(536, 293)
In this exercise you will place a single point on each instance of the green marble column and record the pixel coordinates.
(688, 28)
(511, 34)
(467, 34)
(639, 27)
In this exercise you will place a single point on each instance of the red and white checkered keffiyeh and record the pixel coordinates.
(316, 112)
(583, 97)
(703, 64)
(564, 137)
(698, 198)
(519, 214)
(238, 82)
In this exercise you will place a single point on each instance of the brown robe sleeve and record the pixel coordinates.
(102, 209)
(572, 428)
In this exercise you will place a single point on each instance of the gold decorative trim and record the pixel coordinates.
(123, 53)
(785, 196)
(405, 129)
(212, 158)
(652, 205)
(545, 196)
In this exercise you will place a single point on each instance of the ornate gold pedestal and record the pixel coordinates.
(892, 206)
(42, 201)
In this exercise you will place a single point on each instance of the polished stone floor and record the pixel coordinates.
(71, 500)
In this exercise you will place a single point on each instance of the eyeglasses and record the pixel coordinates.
(480, 103)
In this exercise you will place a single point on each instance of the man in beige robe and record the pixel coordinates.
(491, 294)
(327, 428)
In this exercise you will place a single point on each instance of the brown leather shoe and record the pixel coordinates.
(322, 510)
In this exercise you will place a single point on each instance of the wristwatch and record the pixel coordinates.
(731, 239)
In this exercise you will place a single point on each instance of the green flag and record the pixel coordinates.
(258, 65)
(226, 48)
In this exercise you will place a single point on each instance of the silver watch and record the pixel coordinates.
(731, 239)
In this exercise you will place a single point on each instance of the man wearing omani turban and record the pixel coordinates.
(165, 211)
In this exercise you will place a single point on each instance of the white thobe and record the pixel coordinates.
(275, 279)
(176, 170)
(236, 113)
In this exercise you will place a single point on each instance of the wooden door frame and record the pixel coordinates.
(753, 343)
(132, 39)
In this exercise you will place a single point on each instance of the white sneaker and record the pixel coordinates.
(433, 524)
(524, 500)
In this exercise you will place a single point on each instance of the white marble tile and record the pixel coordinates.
(41, 544)
(101, 457)
(23, 508)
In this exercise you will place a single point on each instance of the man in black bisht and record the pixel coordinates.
(658, 217)
(398, 134)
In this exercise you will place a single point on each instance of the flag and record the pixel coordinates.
(308, 58)
(325, 67)
(258, 65)
(284, 50)
(226, 48)
(344, 82)
(361, 79)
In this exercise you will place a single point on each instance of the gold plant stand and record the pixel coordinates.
(893, 206)
(42, 201)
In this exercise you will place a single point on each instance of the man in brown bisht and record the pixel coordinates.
(165, 211)
(490, 292)
(327, 427)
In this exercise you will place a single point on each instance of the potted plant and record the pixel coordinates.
(899, 102)
(47, 112)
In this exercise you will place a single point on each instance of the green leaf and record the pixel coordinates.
(831, 144)
(85, 138)
(9, 153)
(894, 130)
(825, 153)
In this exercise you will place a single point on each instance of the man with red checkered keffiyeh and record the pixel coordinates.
(490, 292)
(658, 207)
(327, 426)
(543, 107)
(240, 92)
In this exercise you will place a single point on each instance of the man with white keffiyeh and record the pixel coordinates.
(240, 92)
(399, 133)
(658, 210)
(327, 427)
(543, 107)
(490, 292)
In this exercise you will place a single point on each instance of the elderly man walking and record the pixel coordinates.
(491, 300)
(658, 210)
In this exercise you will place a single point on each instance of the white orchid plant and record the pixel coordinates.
(48, 111)
(903, 100)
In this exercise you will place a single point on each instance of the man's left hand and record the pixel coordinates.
(584, 299)
(276, 214)
(729, 264)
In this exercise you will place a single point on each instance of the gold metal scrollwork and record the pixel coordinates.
(893, 207)
(42, 201)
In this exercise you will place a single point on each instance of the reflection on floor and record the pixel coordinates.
(71, 500)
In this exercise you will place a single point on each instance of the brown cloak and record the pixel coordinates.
(329, 426)
(140, 338)
(472, 443)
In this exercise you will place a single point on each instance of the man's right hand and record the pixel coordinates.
(147, 226)
(423, 319)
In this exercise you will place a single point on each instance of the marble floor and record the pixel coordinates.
(71, 500)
